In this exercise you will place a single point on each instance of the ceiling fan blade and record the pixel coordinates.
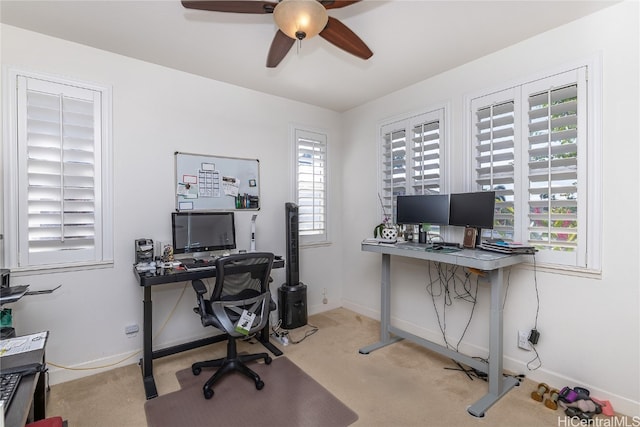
(280, 46)
(237, 6)
(341, 36)
(336, 4)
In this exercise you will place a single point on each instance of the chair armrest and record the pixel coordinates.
(201, 309)
(199, 287)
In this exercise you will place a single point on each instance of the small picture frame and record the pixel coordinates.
(469, 237)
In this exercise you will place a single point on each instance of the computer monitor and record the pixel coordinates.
(198, 232)
(423, 209)
(472, 209)
(5, 274)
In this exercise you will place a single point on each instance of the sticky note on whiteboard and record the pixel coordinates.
(185, 206)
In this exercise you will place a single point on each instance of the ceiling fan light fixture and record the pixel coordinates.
(300, 19)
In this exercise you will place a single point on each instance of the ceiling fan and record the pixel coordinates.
(296, 20)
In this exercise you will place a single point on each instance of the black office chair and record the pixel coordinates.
(242, 283)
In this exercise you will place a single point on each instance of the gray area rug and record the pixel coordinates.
(290, 397)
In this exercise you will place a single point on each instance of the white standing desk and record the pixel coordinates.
(493, 263)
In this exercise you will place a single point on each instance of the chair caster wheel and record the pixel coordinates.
(196, 371)
(208, 393)
(268, 360)
(259, 385)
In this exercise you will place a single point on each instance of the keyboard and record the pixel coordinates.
(201, 264)
(414, 246)
(8, 386)
(447, 244)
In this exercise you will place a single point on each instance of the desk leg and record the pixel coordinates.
(147, 351)
(385, 308)
(264, 340)
(498, 386)
(40, 398)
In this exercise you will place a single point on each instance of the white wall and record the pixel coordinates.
(589, 326)
(157, 111)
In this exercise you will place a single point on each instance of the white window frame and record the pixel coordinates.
(587, 259)
(15, 243)
(317, 235)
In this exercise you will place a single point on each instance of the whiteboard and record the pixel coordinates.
(205, 182)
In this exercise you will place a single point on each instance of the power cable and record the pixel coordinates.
(169, 316)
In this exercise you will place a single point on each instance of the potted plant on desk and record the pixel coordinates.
(385, 229)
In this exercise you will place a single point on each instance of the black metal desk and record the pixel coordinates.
(162, 277)
(30, 400)
(492, 262)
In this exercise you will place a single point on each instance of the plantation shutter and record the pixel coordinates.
(60, 169)
(411, 156)
(494, 161)
(426, 158)
(394, 167)
(312, 184)
(553, 168)
(532, 146)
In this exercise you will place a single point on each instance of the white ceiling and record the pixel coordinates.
(411, 40)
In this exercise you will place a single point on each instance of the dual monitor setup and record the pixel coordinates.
(475, 211)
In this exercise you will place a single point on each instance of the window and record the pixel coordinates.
(58, 203)
(411, 158)
(311, 185)
(532, 145)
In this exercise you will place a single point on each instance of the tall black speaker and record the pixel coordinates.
(292, 295)
(293, 236)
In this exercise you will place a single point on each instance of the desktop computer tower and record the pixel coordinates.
(292, 295)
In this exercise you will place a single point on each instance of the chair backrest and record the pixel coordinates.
(238, 273)
(242, 283)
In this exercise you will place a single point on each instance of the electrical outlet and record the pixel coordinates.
(131, 329)
(324, 296)
(523, 340)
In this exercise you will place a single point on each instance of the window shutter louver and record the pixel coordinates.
(312, 185)
(553, 168)
(60, 132)
(495, 129)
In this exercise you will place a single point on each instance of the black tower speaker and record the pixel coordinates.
(292, 295)
(293, 253)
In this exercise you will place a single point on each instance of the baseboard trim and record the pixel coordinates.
(620, 404)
